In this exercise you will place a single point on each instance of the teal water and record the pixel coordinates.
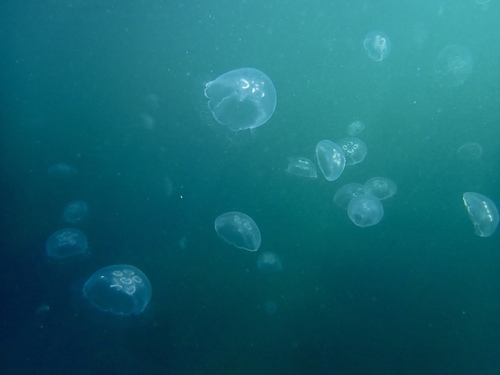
(115, 89)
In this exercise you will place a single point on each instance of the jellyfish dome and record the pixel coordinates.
(239, 230)
(121, 289)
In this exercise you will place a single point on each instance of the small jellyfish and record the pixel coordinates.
(331, 159)
(241, 99)
(380, 187)
(182, 243)
(239, 230)
(377, 45)
(365, 210)
(271, 307)
(269, 262)
(61, 170)
(42, 309)
(482, 212)
(344, 195)
(355, 150)
(168, 186)
(66, 243)
(470, 151)
(302, 167)
(453, 65)
(355, 128)
(148, 121)
(75, 211)
(121, 289)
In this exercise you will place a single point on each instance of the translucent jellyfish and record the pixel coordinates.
(269, 262)
(330, 158)
(365, 210)
(182, 243)
(344, 195)
(119, 290)
(148, 121)
(241, 99)
(355, 150)
(453, 65)
(238, 230)
(470, 151)
(355, 128)
(42, 309)
(75, 211)
(380, 187)
(302, 167)
(168, 186)
(377, 45)
(65, 243)
(482, 212)
(61, 170)
(271, 306)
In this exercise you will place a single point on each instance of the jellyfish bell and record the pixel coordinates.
(241, 99)
(482, 212)
(114, 296)
(238, 230)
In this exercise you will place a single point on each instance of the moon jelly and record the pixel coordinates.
(344, 195)
(331, 159)
(365, 210)
(241, 99)
(482, 212)
(354, 149)
(380, 187)
(355, 127)
(377, 45)
(269, 262)
(75, 211)
(470, 151)
(120, 289)
(302, 167)
(66, 243)
(453, 65)
(238, 230)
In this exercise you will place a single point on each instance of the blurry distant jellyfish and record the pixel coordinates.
(355, 150)
(483, 213)
(42, 309)
(302, 167)
(470, 151)
(241, 99)
(183, 243)
(61, 170)
(453, 65)
(66, 243)
(355, 128)
(270, 306)
(152, 101)
(75, 211)
(380, 187)
(344, 195)
(269, 262)
(148, 122)
(169, 186)
(239, 230)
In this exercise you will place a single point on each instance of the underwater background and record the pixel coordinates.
(115, 91)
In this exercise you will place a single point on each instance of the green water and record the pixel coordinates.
(115, 89)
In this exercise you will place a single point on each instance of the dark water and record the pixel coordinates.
(115, 89)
